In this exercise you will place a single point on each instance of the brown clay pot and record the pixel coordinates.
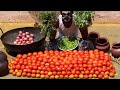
(84, 32)
(92, 36)
(102, 44)
(115, 50)
(52, 36)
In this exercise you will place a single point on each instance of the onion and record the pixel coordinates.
(23, 42)
(31, 41)
(27, 36)
(17, 37)
(23, 34)
(20, 35)
(15, 42)
(20, 32)
(27, 33)
(27, 42)
(19, 43)
(25, 39)
(31, 35)
(21, 39)
(30, 38)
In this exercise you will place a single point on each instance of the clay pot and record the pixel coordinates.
(84, 33)
(115, 50)
(3, 56)
(92, 36)
(102, 44)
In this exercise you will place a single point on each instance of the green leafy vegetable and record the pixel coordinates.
(66, 43)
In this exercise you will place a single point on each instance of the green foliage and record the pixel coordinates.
(83, 19)
(47, 18)
(68, 43)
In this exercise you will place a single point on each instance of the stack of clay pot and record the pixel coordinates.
(100, 43)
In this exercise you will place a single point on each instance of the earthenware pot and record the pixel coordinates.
(92, 36)
(115, 50)
(102, 44)
(3, 56)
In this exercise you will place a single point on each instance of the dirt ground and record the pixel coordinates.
(110, 31)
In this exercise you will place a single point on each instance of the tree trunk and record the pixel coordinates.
(52, 36)
(84, 33)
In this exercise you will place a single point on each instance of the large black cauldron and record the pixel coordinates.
(9, 37)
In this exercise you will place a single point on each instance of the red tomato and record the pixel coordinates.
(108, 64)
(19, 56)
(71, 65)
(24, 74)
(76, 76)
(13, 67)
(73, 71)
(37, 71)
(42, 72)
(94, 76)
(61, 76)
(29, 70)
(44, 68)
(46, 76)
(85, 62)
(107, 73)
(106, 76)
(102, 73)
(96, 50)
(33, 71)
(35, 67)
(39, 68)
(58, 73)
(111, 74)
(18, 67)
(89, 69)
(99, 65)
(96, 72)
(77, 68)
(24, 56)
(96, 68)
(28, 74)
(82, 72)
(85, 65)
(86, 76)
(77, 72)
(86, 72)
(100, 76)
(33, 75)
(92, 71)
(34, 53)
(90, 66)
(38, 76)
(69, 73)
(63, 73)
(14, 73)
(90, 76)
(25, 70)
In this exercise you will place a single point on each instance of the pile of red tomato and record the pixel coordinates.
(63, 64)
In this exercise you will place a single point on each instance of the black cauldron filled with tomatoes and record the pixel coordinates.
(9, 41)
